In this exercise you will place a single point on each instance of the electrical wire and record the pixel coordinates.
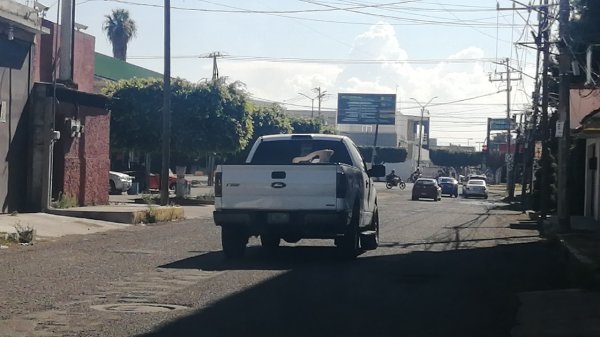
(407, 21)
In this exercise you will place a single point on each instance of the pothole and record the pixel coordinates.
(138, 307)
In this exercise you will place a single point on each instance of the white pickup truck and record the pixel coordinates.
(299, 186)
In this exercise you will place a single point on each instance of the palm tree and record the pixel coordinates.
(120, 29)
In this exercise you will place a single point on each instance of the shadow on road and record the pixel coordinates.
(469, 292)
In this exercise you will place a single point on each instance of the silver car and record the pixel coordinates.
(119, 182)
(475, 188)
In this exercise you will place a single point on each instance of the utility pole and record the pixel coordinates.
(373, 153)
(66, 38)
(510, 184)
(545, 193)
(214, 55)
(215, 76)
(421, 128)
(487, 142)
(564, 63)
(312, 104)
(166, 130)
(530, 131)
(320, 95)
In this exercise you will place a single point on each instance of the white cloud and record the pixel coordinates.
(449, 80)
(280, 81)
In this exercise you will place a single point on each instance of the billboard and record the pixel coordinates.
(366, 109)
(501, 124)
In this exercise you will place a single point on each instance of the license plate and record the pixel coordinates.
(278, 218)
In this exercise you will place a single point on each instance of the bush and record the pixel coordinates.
(65, 201)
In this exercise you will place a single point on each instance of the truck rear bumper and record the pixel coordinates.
(308, 224)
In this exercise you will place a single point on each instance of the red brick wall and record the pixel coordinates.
(84, 58)
(86, 159)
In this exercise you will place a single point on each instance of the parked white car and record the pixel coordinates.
(475, 188)
(119, 182)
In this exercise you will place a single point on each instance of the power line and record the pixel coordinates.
(407, 21)
(323, 60)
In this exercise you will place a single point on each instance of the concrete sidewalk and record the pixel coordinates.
(49, 226)
(120, 213)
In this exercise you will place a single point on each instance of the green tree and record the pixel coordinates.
(270, 120)
(306, 125)
(206, 118)
(120, 29)
(455, 159)
(383, 154)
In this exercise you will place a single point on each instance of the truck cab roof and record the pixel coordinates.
(315, 136)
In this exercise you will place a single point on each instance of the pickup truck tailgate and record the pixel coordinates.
(279, 187)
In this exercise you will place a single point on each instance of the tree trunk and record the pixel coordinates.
(120, 49)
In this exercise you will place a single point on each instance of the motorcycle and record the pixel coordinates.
(396, 181)
(414, 177)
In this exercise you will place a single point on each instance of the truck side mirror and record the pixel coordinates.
(376, 171)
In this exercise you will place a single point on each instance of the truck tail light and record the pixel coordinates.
(218, 184)
(341, 186)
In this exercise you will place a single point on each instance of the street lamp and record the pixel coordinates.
(421, 126)
(312, 105)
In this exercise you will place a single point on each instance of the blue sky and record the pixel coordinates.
(420, 36)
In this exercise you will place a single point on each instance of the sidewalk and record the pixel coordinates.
(49, 226)
(121, 212)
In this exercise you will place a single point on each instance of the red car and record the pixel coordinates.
(426, 188)
(155, 181)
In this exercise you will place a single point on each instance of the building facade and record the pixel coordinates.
(53, 138)
(19, 27)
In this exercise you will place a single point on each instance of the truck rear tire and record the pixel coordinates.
(233, 241)
(349, 244)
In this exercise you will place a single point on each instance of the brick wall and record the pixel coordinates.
(83, 172)
(83, 63)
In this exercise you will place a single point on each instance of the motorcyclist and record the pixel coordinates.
(392, 176)
(415, 175)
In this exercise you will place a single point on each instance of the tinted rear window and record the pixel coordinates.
(446, 180)
(282, 152)
(476, 182)
(425, 182)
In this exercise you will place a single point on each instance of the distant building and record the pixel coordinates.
(454, 148)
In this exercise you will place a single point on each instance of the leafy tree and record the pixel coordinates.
(270, 120)
(383, 154)
(120, 29)
(455, 159)
(205, 118)
(306, 125)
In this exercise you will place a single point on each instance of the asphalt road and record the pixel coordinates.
(448, 268)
